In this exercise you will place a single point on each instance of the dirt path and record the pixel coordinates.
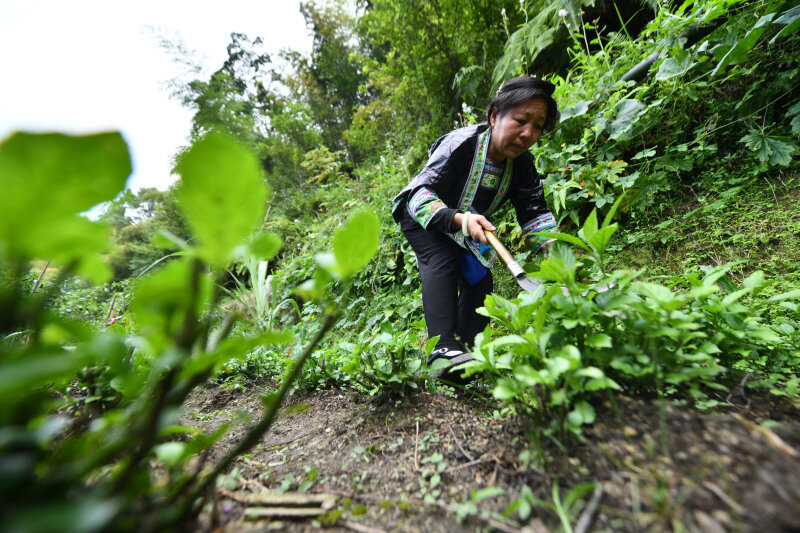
(414, 464)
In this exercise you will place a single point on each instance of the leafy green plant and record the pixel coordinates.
(96, 473)
(550, 349)
(566, 509)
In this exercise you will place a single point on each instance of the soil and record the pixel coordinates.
(415, 464)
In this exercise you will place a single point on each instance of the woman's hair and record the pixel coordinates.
(521, 89)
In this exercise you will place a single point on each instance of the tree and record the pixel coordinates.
(134, 219)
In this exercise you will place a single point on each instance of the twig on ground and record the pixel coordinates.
(587, 516)
(739, 391)
(273, 447)
(738, 509)
(254, 482)
(361, 528)
(471, 463)
(416, 447)
(232, 495)
(772, 439)
(460, 448)
(494, 474)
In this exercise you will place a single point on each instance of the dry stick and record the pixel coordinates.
(361, 528)
(587, 516)
(494, 474)
(471, 463)
(738, 509)
(768, 435)
(111, 307)
(39, 279)
(290, 441)
(739, 390)
(774, 196)
(416, 446)
(462, 450)
(257, 431)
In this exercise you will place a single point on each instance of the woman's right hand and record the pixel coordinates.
(476, 226)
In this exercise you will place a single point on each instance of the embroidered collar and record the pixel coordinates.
(471, 188)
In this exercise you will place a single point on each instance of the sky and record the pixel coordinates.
(85, 66)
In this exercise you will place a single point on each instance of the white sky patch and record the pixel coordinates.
(90, 65)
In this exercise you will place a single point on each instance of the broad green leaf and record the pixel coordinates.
(600, 239)
(431, 344)
(577, 492)
(47, 180)
(794, 111)
(507, 340)
(355, 243)
(790, 19)
(162, 299)
(770, 149)
(266, 245)
(590, 372)
(599, 340)
(790, 295)
(558, 365)
(627, 112)
(754, 280)
(583, 413)
(734, 296)
(222, 195)
(566, 237)
(527, 375)
(35, 370)
(739, 52)
(613, 211)
(659, 293)
(170, 453)
(505, 389)
(671, 68)
(55, 176)
(80, 516)
(576, 110)
(589, 227)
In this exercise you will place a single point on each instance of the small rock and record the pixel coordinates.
(630, 432)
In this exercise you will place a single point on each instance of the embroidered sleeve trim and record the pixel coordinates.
(545, 222)
(423, 205)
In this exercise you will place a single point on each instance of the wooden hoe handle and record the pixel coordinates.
(505, 255)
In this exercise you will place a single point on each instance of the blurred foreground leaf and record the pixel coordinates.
(222, 195)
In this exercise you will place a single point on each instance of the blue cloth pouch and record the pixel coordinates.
(472, 269)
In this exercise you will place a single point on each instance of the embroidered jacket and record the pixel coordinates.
(450, 181)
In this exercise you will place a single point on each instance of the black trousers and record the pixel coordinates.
(448, 300)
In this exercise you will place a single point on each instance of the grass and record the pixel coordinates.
(756, 224)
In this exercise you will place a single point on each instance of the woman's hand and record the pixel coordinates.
(476, 224)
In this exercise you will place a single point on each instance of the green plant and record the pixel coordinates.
(566, 509)
(96, 473)
(562, 346)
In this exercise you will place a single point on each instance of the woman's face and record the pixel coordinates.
(516, 130)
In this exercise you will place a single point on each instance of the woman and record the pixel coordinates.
(471, 172)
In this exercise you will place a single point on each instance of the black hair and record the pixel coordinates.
(521, 89)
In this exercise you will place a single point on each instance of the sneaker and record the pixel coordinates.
(453, 358)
